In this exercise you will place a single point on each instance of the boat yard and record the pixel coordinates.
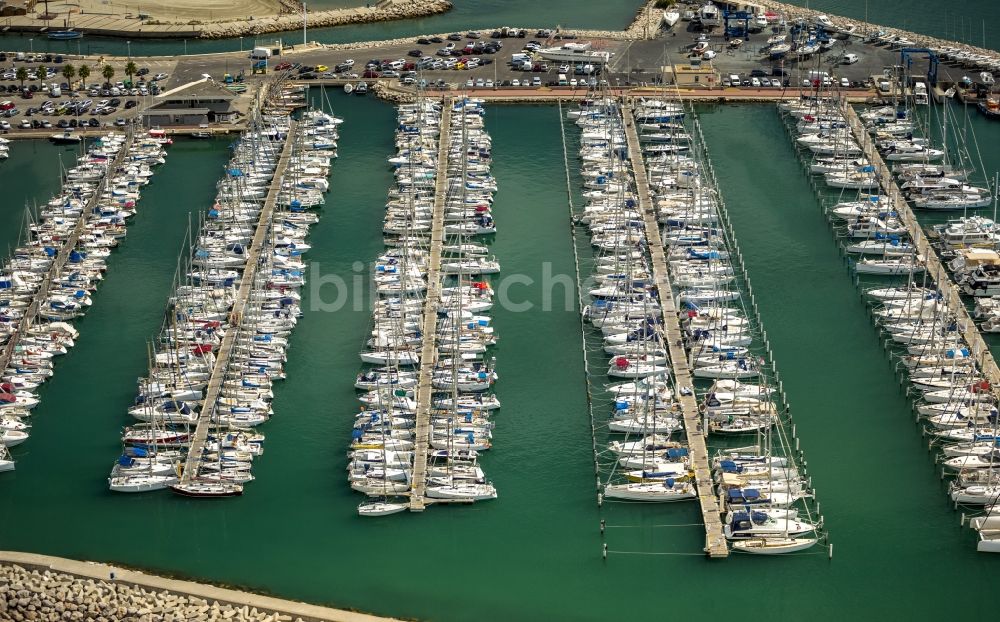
(676, 217)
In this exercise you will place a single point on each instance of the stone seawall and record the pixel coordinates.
(50, 589)
(388, 10)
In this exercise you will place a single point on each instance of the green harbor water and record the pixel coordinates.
(534, 553)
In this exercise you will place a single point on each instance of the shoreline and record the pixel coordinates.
(134, 28)
(37, 586)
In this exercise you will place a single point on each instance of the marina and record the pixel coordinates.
(938, 344)
(600, 260)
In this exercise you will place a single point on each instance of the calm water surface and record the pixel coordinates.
(534, 554)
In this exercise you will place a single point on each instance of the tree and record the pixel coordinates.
(41, 73)
(108, 72)
(130, 70)
(22, 75)
(84, 73)
(69, 72)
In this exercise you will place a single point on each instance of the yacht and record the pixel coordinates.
(575, 53)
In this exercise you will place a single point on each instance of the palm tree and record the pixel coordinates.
(69, 72)
(108, 72)
(130, 70)
(41, 73)
(84, 74)
(22, 75)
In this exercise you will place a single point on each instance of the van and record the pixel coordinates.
(562, 80)
(815, 74)
(734, 79)
(517, 59)
(55, 91)
(260, 54)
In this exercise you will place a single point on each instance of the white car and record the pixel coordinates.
(754, 82)
(563, 68)
(708, 54)
(480, 83)
(159, 76)
(845, 83)
(25, 124)
(573, 82)
(469, 83)
(489, 84)
(4, 125)
(515, 82)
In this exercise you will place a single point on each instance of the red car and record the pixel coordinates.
(282, 66)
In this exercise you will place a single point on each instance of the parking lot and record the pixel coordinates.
(46, 91)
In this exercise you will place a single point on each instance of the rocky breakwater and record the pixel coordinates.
(50, 596)
(46, 589)
(385, 11)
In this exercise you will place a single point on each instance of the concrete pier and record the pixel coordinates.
(935, 269)
(59, 262)
(715, 541)
(429, 322)
(224, 353)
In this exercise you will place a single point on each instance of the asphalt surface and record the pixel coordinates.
(633, 63)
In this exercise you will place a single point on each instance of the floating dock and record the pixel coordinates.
(429, 320)
(935, 269)
(62, 257)
(225, 350)
(715, 541)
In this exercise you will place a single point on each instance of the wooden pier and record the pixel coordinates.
(59, 262)
(224, 353)
(715, 541)
(429, 323)
(935, 269)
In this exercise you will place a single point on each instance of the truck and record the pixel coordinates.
(260, 54)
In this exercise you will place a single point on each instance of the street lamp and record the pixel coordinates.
(129, 45)
(241, 44)
(31, 45)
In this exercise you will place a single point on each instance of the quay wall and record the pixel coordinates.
(49, 589)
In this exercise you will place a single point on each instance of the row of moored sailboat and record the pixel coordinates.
(953, 396)
(414, 295)
(760, 487)
(50, 279)
(223, 345)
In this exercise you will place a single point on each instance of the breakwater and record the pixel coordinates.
(44, 588)
(120, 26)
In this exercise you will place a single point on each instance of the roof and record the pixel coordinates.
(158, 112)
(199, 89)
